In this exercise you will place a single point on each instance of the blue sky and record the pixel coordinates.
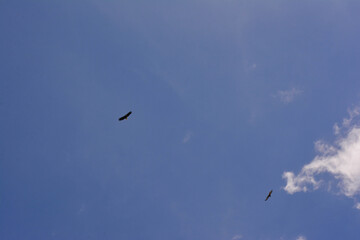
(230, 99)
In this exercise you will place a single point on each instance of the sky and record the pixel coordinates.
(230, 99)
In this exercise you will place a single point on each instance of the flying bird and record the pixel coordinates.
(269, 195)
(125, 116)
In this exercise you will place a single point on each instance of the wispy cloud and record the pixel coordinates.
(253, 66)
(347, 122)
(187, 136)
(287, 96)
(237, 237)
(249, 66)
(301, 237)
(353, 113)
(82, 208)
(336, 129)
(341, 160)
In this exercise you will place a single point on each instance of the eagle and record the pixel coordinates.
(125, 116)
(269, 195)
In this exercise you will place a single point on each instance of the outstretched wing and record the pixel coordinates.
(269, 195)
(125, 116)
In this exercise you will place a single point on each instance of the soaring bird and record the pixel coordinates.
(269, 195)
(125, 116)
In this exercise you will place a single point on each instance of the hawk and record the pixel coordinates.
(125, 116)
(269, 195)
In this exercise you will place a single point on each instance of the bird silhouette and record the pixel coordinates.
(125, 116)
(269, 195)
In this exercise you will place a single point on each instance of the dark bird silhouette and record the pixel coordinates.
(125, 116)
(269, 195)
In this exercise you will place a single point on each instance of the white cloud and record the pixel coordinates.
(301, 238)
(336, 129)
(187, 136)
(352, 114)
(347, 122)
(237, 237)
(324, 148)
(341, 160)
(288, 96)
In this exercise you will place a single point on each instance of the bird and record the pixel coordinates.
(269, 195)
(125, 116)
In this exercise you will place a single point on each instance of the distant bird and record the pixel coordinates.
(125, 116)
(269, 195)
